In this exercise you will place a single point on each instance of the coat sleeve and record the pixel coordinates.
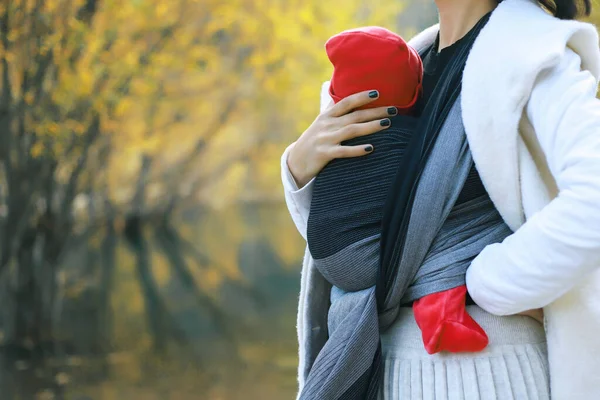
(560, 245)
(297, 199)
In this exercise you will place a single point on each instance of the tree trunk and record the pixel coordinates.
(33, 341)
(108, 259)
(168, 241)
(155, 309)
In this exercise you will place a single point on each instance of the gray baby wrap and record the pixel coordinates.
(344, 240)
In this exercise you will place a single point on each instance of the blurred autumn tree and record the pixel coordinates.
(126, 122)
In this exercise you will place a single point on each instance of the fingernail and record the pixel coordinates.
(392, 111)
(373, 94)
(385, 122)
(369, 149)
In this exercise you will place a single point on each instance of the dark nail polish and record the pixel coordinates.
(373, 94)
(385, 122)
(392, 111)
(369, 149)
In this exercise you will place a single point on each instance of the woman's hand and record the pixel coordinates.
(537, 314)
(321, 142)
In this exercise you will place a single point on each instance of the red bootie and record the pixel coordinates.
(445, 323)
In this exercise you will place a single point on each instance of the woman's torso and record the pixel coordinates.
(515, 363)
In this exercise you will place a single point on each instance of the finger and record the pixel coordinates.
(361, 129)
(367, 115)
(352, 102)
(351, 151)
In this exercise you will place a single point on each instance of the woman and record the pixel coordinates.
(527, 104)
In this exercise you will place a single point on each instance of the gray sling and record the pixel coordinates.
(441, 241)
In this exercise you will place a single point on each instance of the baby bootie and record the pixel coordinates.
(445, 324)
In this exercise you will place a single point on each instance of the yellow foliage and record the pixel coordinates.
(203, 94)
(37, 149)
(165, 76)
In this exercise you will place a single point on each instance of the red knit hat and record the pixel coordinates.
(375, 58)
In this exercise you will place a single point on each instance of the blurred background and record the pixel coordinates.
(145, 248)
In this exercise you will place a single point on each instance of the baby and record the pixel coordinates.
(344, 224)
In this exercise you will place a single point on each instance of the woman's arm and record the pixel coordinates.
(557, 247)
(297, 199)
(321, 143)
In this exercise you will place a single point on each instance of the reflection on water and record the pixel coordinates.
(202, 310)
(265, 374)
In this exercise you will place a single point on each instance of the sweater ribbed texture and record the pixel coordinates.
(514, 366)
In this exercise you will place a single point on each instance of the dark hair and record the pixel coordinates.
(568, 9)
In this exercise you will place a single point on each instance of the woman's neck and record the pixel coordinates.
(457, 17)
